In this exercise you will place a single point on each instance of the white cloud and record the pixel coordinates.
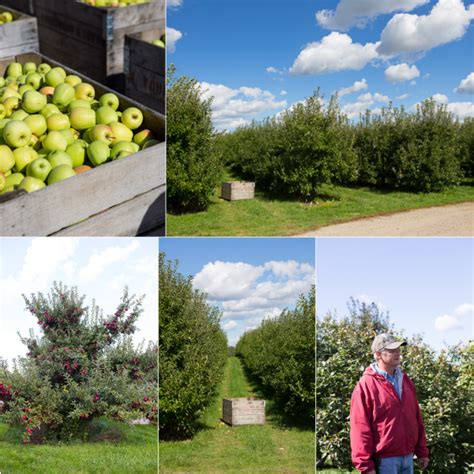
(357, 86)
(274, 70)
(402, 97)
(465, 309)
(358, 12)
(409, 33)
(466, 86)
(234, 107)
(401, 72)
(440, 98)
(172, 37)
(230, 325)
(283, 92)
(100, 261)
(447, 323)
(174, 3)
(335, 52)
(364, 101)
(368, 300)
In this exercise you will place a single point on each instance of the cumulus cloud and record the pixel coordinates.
(357, 86)
(401, 72)
(402, 97)
(235, 107)
(174, 3)
(274, 70)
(358, 12)
(466, 86)
(364, 102)
(462, 110)
(410, 33)
(172, 37)
(465, 309)
(229, 325)
(283, 92)
(335, 52)
(440, 98)
(447, 323)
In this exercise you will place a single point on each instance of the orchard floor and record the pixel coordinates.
(138, 454)
(218, 448)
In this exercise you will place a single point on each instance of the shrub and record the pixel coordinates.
(279, 357)
(193, 167)
(193, 353)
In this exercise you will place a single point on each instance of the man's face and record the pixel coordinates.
(391, 357)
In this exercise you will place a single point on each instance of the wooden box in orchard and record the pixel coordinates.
(121, 198)
(236, 190)
(243, 411)
(91, 39)
(145, 69)
(25, 6)
(20, 35)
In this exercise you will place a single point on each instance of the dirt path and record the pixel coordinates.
(453, 220)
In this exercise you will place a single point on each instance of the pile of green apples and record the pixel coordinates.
(113, 3)
(53, 127)
(160, 42)
(5, 17)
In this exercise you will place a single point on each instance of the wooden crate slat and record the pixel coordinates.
(21, 35)
(140, 14)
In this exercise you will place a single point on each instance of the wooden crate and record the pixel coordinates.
(91, 39)
(19, 36)
(122, 198)
(25, 6)
(243, 411)
(145, 69)
(236, 190)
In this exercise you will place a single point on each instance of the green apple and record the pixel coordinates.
(2, 181)
(82, 118)
(150, 143)
(159, 43)
(30, 184)
(56, 158)
(7, 160)
(54, 141)
(77, 151)
(63, 95)
(58, 121)
(24, 88)
(19, 115)
(132, 118)
(33, 101)
(54, 77)
(7, 17)
(48, 91)
(79, 103)
(98, 152)
(3, 112)
(23, 157)
(84, 91)
(120, 132)
(36, 123)
(60, 173)
(16, 133)
(39, 168)
(14, 70)
(121, 154)
(34, 79)
(141, 137)
(111, 100)
(29, 67)
(135, 147)
(72, 80)
(48, 110)
(102, 132)
(120, 146)
(106, 114)
(44, 68)
(11, 104)
(14, 179)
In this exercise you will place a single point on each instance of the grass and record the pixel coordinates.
(137, 454)
(218, 448)
(264, 216)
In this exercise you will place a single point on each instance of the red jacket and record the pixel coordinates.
(382, 425)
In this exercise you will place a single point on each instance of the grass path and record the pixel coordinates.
(138, 454)
(219, 448)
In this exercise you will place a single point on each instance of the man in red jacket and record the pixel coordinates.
(386, 424)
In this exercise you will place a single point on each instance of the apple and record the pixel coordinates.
(72, 80)
(7, 160)
(132, 118)
(23, 157)
(56, 158)
(44, 68)
(33, 101)
(39, 169)
(106, 114)
(77, 151)
(8, 189)
(34, 79)
(16, 134)
(29, 67)
(14, 179)
(11, 104)
(102, 132)
(3, 112)
(7, 17)
(110, 99)
(68, 135)
(30, 184)
(159, 43)
(58, 121)
(54, 77)
(120, 146)
(121, 154)
(82, 118)
(2, 181)
(60, 173)
(36, 123)
(120, 132)
(84, 91)
(141, 137)
(54, 141)
(24, 88)
(19, 115)
(48, 91)
(82, 169)
(79, 103)
(98, 152)
(14, 70)
(63, 95)
(150, 143)
(48, 110)
(135, 147)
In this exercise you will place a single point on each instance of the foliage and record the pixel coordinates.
(193, 166)
(71, 374)
(466, 138)
(279, 357)
(193, 352)
(444, 383)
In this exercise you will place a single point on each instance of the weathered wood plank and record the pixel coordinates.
(243, 411)
(19, 36)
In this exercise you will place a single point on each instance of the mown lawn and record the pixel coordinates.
(218, 448)
(266, 216)
(137, 454)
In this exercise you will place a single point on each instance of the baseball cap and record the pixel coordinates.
(386, 341)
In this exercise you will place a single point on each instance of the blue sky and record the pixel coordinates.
(248, 279)
(258, 57)
(426, 284)
(99, 267)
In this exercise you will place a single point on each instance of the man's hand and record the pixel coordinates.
(423, 463)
